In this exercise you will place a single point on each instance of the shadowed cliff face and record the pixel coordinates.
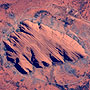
(39, 46)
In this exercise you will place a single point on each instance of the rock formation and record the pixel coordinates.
(40, 46)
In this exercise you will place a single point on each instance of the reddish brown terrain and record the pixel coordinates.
(44, 45)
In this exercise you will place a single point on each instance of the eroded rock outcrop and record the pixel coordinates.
(39, 46)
